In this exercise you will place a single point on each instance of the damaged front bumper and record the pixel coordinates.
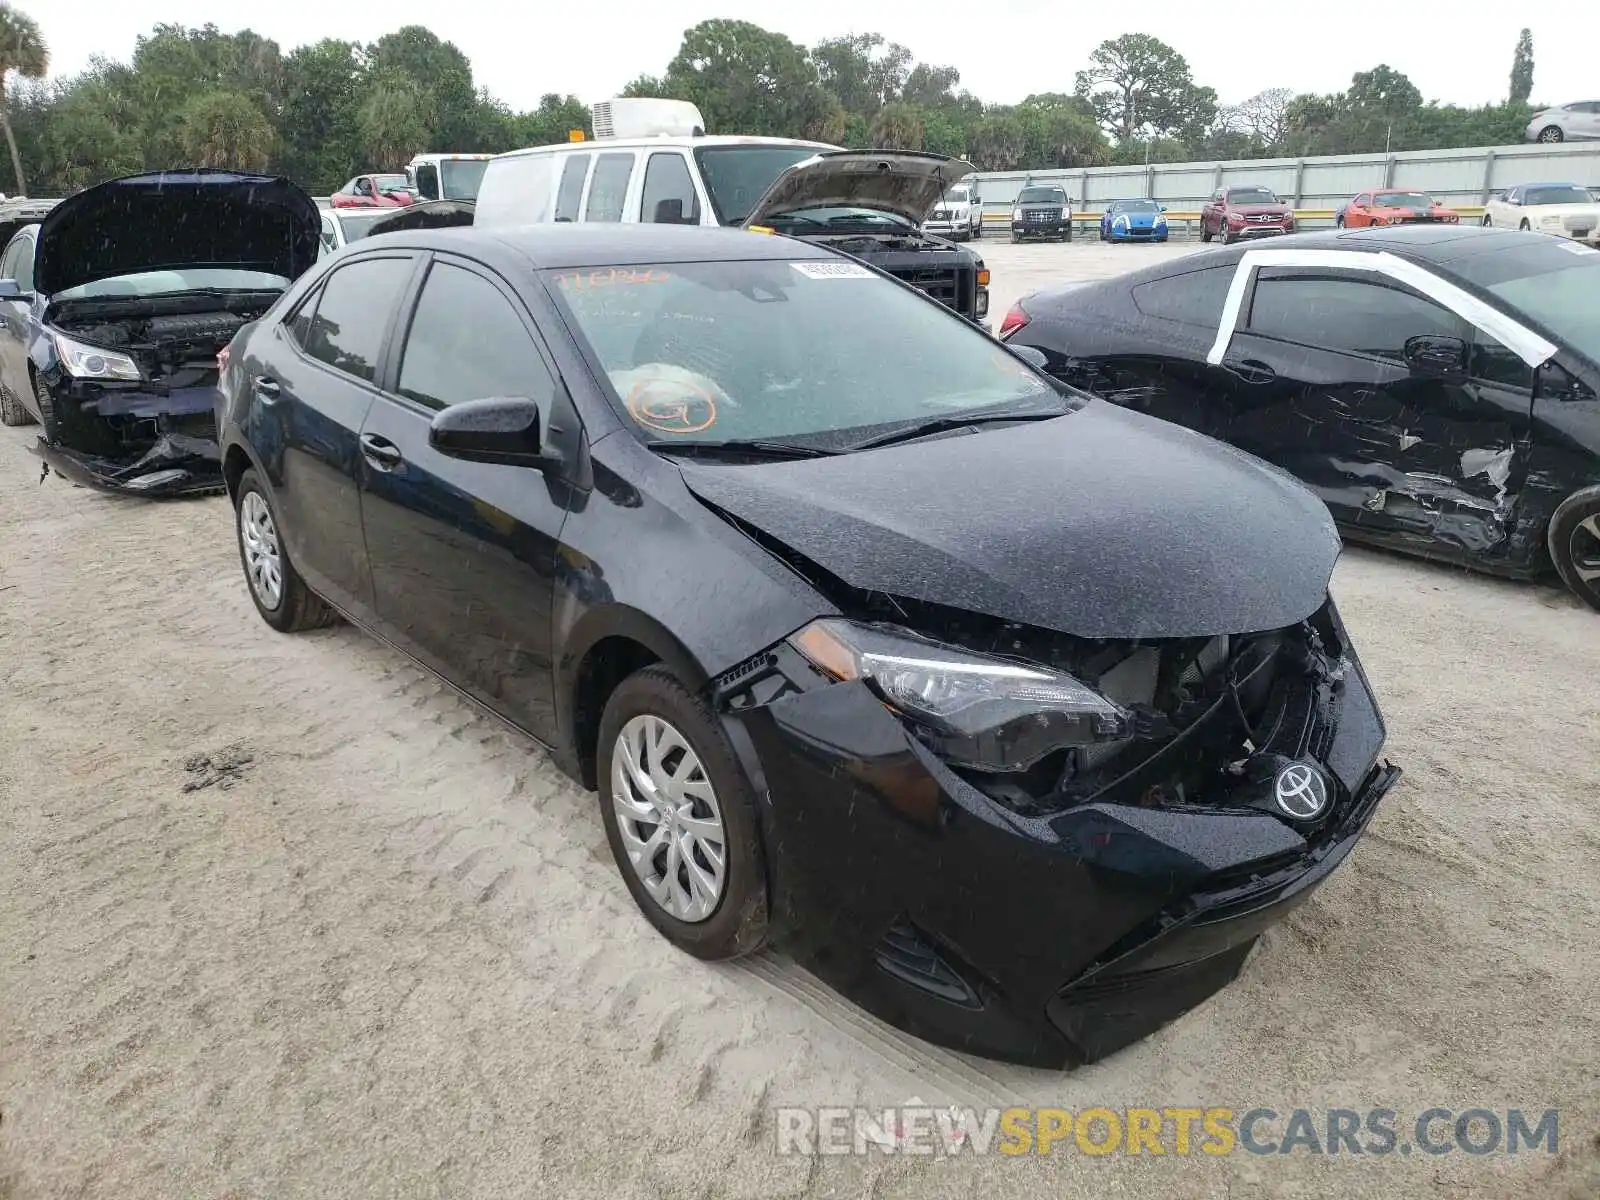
(1050, 939)
(177, 465)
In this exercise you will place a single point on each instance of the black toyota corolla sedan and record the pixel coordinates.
(1438, 387)
(1015, 715)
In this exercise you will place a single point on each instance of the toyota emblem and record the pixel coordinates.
(1300, 791)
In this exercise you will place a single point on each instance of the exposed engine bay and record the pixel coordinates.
(155, 434)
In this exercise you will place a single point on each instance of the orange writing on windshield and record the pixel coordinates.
(578, 281)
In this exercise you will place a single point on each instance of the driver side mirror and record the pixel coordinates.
(1431, 356)
(1032, 355)
(10, 289)
(508, 430)
(670, 212)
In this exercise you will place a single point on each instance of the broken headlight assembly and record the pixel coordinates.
(83, 361)
(973, 710)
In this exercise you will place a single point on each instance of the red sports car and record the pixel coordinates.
(1395, 206)
(376, 191)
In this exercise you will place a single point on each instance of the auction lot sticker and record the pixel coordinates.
(832, 270)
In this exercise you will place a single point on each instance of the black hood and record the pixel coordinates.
(169, 220)
(1100, 524)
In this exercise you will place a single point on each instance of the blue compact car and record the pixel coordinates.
(1133, 221)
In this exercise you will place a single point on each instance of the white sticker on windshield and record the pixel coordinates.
(833, 270)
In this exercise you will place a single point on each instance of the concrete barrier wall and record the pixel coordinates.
(1460, 178)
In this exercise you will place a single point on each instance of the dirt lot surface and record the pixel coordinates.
(281, 917)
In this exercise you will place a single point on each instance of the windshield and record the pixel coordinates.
(392, 183)
(1042, 195)
(1403, 200)
(957, 195)
(1251, 195)
(357, 223)
(822, 351)
(737, 176)
(1564, 193)
(189, 279)
(461, 177)
(1136, 206)
(1555, 285)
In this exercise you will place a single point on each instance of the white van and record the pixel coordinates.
(651, 162)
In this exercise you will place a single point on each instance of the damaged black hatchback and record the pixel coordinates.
(113, 310)
(1014, 715)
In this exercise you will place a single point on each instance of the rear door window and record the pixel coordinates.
(570, 193)
(467, 342)
(609, 187)
(352, 316)
(24, 264)
(1193, 298)
(669, 195)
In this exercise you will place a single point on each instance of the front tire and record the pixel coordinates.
(280, 595)
(1524, 225)
(681, 818)
(12, 412)
(1552, 133)
(1574, 541)
(1205, 232)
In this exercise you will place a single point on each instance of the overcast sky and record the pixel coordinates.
(1453, 54)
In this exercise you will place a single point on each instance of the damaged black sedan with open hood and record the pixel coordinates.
(1015, 715)
(116, 306)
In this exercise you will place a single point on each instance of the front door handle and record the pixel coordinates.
(380, 452)
(266, 390)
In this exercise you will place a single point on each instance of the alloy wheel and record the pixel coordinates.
(669, 819)
(1584, 548)
(262, 555)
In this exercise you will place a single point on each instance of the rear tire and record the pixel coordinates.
(1574, 541)
(280, 595)
(12, 412)
(737, 921)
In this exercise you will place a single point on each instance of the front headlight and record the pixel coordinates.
(973, 710)
(94, 362)
(1016, 214)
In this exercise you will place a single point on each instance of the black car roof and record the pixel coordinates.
(562, 246)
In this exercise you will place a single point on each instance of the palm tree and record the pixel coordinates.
(22, 49)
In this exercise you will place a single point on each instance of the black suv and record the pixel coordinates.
(1042, 211)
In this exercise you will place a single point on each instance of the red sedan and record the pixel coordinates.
(376, 191)
(1395, 206)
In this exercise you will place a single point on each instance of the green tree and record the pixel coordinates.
(930, 86)
(1136, 81)
(442, 76)
(395, 120)
(1060, 131)
(862, 71)
(22, 50)
(746, 79)
(320, 139)
(896, 127)
(997, 143)
(225, 129)
(1522, 68)
(552, 121)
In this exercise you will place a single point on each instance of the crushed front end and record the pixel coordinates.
(131, 399)
(1038, 847)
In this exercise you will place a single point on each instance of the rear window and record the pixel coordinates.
(1565, 194)
(1193, 298)
(515, 191)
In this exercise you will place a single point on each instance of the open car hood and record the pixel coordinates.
(430, 214)
(1100, 524)
(169, 220)
(903, 183)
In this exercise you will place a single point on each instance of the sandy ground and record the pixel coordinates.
(385, 951)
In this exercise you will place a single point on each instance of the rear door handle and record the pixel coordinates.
(380, 452)
(1252, 370)
(266, 390)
